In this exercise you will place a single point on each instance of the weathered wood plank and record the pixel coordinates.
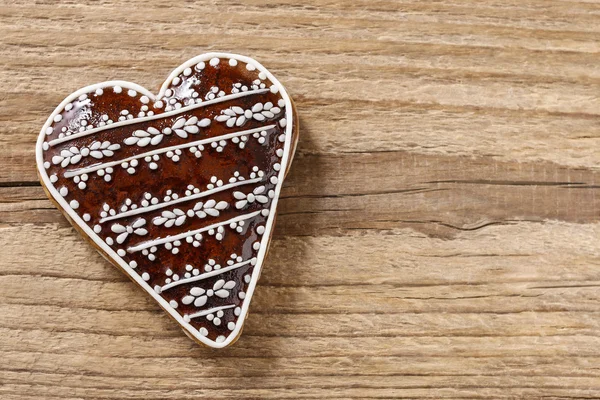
(135, 323)
(437, 195)
(403, 258)
(130, 346)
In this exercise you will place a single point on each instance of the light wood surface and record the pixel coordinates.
(439, 233)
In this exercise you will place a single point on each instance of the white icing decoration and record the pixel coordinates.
(157, 104)
(177, 217)
(214, 61)
(210, 311)
(197, 63)
(206, 275)
(117, 89)
(73, 155)
(214, 93)
(237, 116)
(168, 239)
(132, 93)
(146, 207)
(124, 231)
(153, 136)
(200, 296)
(72, 173)
(74, 204)
(146, 276)
(255, 195)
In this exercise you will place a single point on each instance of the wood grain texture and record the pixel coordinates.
(438, 235)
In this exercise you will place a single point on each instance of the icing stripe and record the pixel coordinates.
(179, 200)
(169, 239)
(157, 116)
(72, 173)
(209, 311)
(205, 276)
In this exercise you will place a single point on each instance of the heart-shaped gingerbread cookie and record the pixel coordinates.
(179, 189)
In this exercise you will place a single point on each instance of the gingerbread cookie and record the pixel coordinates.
(179, 190)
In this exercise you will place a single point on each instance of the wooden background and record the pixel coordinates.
(439, 233)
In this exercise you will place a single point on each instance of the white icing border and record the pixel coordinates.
(100, 243)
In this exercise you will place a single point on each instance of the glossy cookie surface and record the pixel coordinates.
(178, 189)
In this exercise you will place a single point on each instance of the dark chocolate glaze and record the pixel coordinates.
(170, 177)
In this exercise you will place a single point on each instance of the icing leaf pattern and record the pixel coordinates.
(181, 128)
(177, 216)
(200, 296)
(237, 116)
(255, 195)
(125, 231)
(73, 155)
